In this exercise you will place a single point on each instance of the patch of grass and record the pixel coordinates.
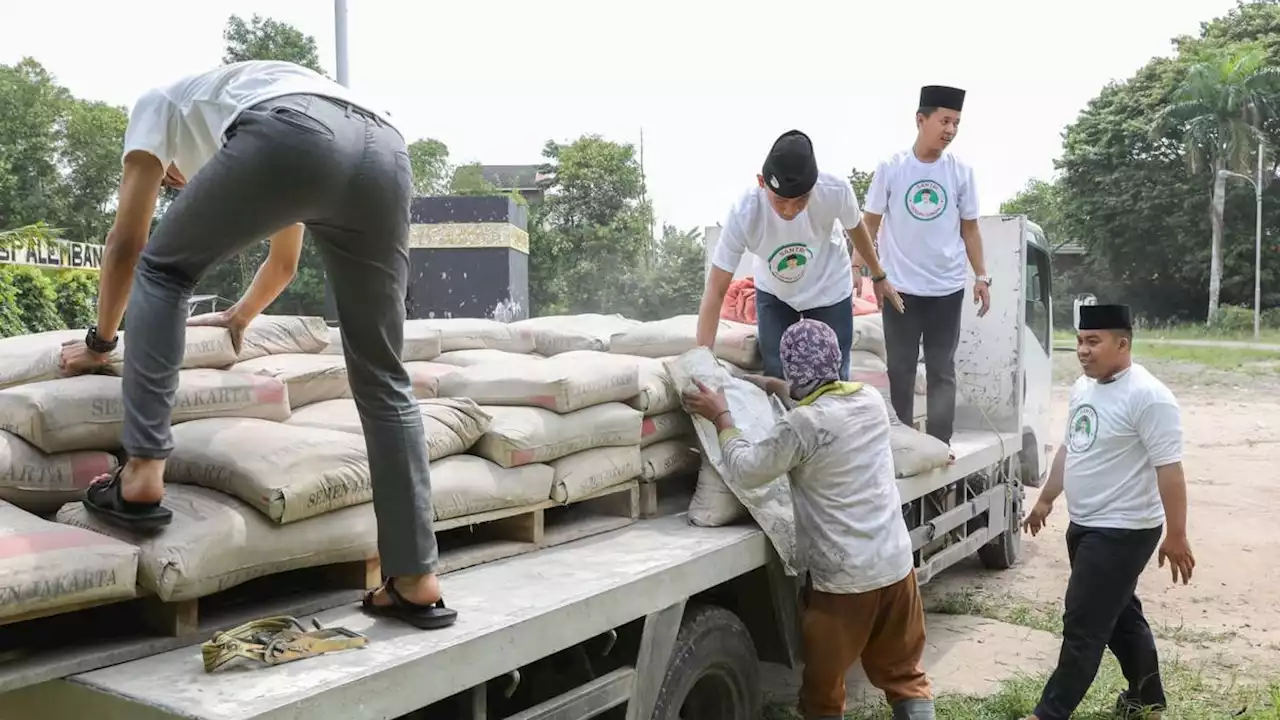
(1220, 358)
(1048, 616)
(1007, 608)
(1194, 693)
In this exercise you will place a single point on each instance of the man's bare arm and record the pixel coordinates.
(273, 276)
(713, 293)
(1173, 494)
(865, 247)
(973, 246)
(139, 190)
(872, 221)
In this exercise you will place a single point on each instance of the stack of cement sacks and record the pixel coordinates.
(868, 358)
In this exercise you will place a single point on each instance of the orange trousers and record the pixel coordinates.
(883, 628)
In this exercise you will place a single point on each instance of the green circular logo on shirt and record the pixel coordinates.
(789, 262)
(926, 200)
(1083, 429)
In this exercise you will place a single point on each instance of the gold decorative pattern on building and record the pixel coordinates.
(469, 235)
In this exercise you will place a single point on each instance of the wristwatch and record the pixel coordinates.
(97, 344)
(985, 279)
(879, 278)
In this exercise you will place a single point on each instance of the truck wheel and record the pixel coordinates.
(1003, 552)
(714, 673)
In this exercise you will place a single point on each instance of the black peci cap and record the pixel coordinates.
(1105, 317)
(941, 96)
(790, 170)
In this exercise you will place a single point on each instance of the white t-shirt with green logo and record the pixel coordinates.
(803, 262)
(1118, 433)
(922, 204)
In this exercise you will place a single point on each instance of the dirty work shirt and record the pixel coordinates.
(1118, 433)
(850, 534)
(803, 262)
(922, 205)
(184, 123)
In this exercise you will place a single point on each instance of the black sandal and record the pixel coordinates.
(105, 501)
(424, 617)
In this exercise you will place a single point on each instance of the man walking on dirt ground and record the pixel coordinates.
(260, 149)
(929, 204)
(1121, 468)
(786, 222)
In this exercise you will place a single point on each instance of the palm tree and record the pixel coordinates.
(1220, 107)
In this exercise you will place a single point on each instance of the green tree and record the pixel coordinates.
(431, 171)
(266, 39)
(861, 182)
(469, 180)
(592, 231)
(1220, 108)
(671, 284)
(1042, 202)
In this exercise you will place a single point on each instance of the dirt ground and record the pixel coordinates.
(986, 627)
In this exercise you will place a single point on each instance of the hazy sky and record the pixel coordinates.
(711, 82)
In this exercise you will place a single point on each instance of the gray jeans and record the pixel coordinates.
(346, 175)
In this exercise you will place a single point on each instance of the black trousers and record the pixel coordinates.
(936, 321)
(1102, 611)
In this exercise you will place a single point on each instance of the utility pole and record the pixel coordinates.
(1257, 239)
(340, 40)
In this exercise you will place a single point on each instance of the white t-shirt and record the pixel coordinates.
(184, 123)
(803, 262)
(922, 204)
(850, 533)
(1118, 433)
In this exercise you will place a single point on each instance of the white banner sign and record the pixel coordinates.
(58, 254)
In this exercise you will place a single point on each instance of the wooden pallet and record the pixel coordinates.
(487, 537)
(657, 495)
(464, 542)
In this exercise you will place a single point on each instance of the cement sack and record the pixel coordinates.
(425, 377)
(310, 377)
(657, 394)
(869, 368)
(475, 334)
(868, 335)
(669, 458)
(217, 542)
(482, 356)
(420, 343)
(464, 485)
(523, 435)
(555, 334)
(45, 566)
(555, 384)
(286, 472)
(586, 473)
(41, 483)
(87, 412)
(667, 426)
(735, 342)
(452, 425)
(34, 358)
(915, 452)
(282, 334)
(754, 413)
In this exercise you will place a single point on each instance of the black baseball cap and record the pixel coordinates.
(790, 169)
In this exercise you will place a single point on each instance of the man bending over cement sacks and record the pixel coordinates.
(786, 223)
(863, 601)
(261, 149)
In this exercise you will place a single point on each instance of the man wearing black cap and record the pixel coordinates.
(802, 264)
(1121, 467)
(929, 206)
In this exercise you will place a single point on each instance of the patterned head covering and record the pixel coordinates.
(810, 355)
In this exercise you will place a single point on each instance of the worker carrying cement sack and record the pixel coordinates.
(267, 148)
(863, 603)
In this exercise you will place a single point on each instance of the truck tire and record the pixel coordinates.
(1003, 552)
(714, 673)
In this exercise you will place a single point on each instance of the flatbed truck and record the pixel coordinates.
(658, 620)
